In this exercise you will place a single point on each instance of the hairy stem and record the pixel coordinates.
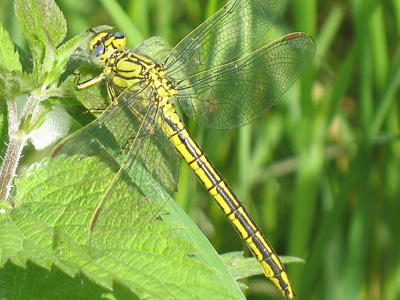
(13, 154)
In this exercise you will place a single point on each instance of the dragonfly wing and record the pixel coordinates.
(236, 93)
(136, 195)
(225, 36)
(94, 140)
(155, 47)
(125, 138)
(146, 179)
(129, 118)
(102, 139)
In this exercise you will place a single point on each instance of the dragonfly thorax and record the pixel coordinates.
(125, 70)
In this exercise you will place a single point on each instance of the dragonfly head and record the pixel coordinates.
(104, 44)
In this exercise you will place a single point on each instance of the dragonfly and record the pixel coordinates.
(219, 81)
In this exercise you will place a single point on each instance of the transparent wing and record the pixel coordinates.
(234, 94)
(155, 47)
(125, 138)
(225, 36)
(129, 121)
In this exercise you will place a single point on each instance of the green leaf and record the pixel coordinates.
(44, 27)
(48, 231)
(244, 267)
(41, 21)
(33, 282)
(14, 84)
(9, 58)
(11, 75)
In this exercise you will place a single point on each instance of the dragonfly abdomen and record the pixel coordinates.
(227, 201)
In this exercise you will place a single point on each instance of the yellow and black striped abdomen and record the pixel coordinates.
(226, 199)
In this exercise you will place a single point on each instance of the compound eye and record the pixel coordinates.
(119, 35)
(97, 53)
(120, 41)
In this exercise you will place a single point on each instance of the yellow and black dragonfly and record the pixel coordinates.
(219, 81)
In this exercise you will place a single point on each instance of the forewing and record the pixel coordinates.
(234, 94)
(225, 36)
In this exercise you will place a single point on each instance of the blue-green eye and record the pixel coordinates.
(96, 54)
(119, 41)
(119, 35)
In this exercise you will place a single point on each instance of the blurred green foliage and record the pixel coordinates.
(320, 172)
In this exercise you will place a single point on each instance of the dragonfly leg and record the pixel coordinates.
(83, 85)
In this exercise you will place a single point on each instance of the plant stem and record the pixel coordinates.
(13, 154)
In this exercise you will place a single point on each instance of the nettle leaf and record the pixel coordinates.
(9, 58)
(41, 21)
(34, 282)
(43, 25)
(10, 66)
(47, 234)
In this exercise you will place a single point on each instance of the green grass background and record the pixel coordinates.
(320, 172)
